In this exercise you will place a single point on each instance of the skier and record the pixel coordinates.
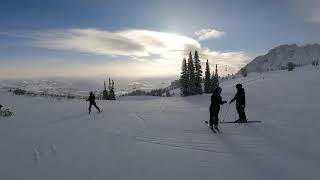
(216, 101)
(240, 99)
(92, 102)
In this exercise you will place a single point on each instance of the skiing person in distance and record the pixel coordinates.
(216, 101)
(92, 102)
(240, 99)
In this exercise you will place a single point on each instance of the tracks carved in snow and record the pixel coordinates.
(141, 121)
(37, 154)
(184, 144)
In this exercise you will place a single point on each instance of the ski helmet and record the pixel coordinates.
(218, 90)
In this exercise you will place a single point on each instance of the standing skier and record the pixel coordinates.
(92, 102)
(240, 99)
(216, 101)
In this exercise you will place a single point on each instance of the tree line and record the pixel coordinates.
(154, 92)
(108, 95)
(191, 79)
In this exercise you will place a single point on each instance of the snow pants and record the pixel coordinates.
(214, 118)
(95, 105)
(242, 114)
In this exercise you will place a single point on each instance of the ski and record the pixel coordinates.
(212, 129)
(240, 122)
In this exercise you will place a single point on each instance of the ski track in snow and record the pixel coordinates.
(68, 118)
(36, 155)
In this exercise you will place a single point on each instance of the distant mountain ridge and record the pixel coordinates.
(279, 56)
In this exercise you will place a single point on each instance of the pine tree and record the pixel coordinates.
(105, 92)
(112, 95)
(214, 80)
(191, 82)
(207, 79)
(197, 73)
(109, 86)
(291, 66)
(216, 75)
(244, 72)
(184, 79)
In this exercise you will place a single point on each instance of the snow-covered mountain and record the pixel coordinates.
(278, 57)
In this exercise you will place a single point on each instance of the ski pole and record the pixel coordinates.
(225, 116)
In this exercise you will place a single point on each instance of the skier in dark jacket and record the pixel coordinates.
(216, 101)
(92, 102)
(240, 99)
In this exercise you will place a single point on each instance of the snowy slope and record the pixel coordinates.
(140, 138)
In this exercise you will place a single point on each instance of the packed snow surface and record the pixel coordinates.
(144, 138)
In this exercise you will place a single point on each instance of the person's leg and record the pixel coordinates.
(216, 119)
(90, 108)
(243, 114)
(239, 112)
(95, 105)
(211, 118)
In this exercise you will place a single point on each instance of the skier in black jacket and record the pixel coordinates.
(240, 99)
(216, 101)
(92, 102)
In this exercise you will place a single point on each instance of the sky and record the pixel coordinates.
(145, 38)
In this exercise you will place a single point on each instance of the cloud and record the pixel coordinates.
(133, 43)
(137, 44)
(205, 34)
(309, 9)
(161, 52)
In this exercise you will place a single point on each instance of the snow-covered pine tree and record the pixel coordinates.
(184, 79)
(197, 73)
(191, 82)
(207, 78)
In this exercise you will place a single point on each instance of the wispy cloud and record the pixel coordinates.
(133, 43)
(205, 34)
